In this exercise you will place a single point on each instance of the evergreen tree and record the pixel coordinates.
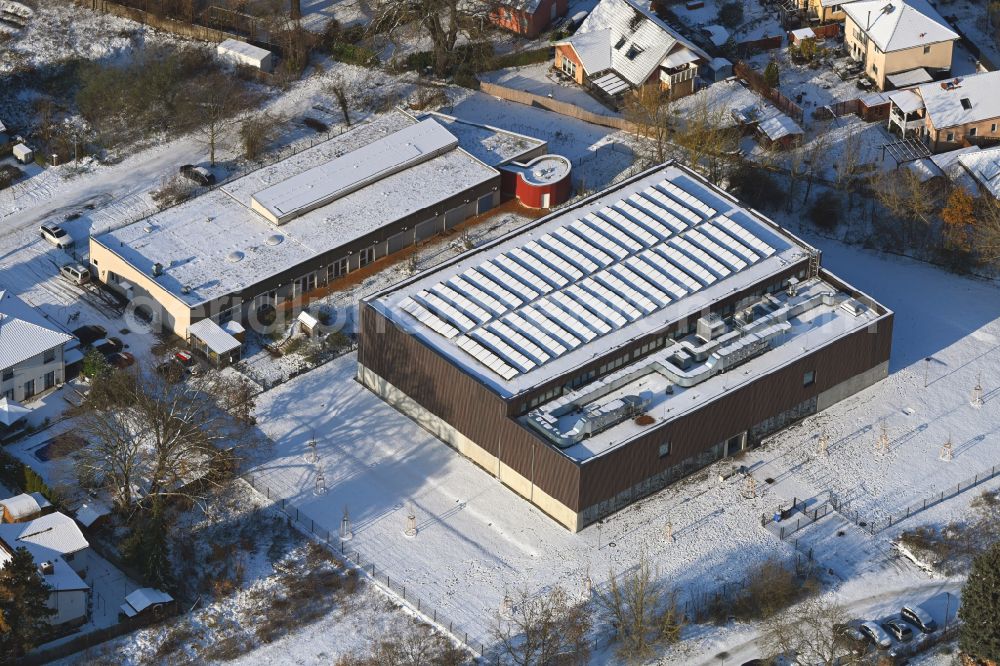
(772, 76)
(980, 610)
(146, 547)
(23, 606)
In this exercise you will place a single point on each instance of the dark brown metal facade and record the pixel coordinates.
(474, 410)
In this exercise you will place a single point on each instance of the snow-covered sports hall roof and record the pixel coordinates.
(582, 282)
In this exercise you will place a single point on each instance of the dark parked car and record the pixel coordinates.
(198, 174)
(172, 371)
(109, 346)
(121, 359)
(918, 617)
(90, 333)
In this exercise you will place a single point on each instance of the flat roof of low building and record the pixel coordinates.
(490, 145)
(580, 283)
(218, 244)
(243, 48)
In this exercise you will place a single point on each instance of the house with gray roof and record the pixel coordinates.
(622, 46)
(31, 350)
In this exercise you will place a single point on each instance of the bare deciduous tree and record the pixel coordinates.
(708, 141)
(442, 21)
(150, 439)
(547, 629)
(217, 99)
(630, 600)
(813, 633)
(648, 108)
(338, 89)
(986, 233)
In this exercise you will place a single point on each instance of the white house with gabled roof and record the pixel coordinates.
(621, 46)
(31, 350)
(894, 36)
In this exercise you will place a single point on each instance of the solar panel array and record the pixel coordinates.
(587, 278)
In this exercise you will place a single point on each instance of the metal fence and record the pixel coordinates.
(344, 550)
(785, 527)
(874, 526)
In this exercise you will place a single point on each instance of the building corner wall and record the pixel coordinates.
(438, 427)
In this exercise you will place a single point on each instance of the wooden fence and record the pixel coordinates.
(98, 636)
(827, 31)
(752, 46)
(756, 82)
(181, 28)
(562, 108)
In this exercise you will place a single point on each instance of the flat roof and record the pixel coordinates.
(243, 48)
(216, 244)
(586, 280)
(325, 183)
(490, 145)
(787, 328)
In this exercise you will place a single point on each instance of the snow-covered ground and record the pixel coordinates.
(477, 540)
(542, 81)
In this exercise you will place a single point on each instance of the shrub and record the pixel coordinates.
(731, 14)
(772, 75)
(825, 211)
(758, 188)
(315, 124)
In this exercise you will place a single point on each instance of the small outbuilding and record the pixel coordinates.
(146, 601)
(308, 324)
(543, 182)
(24, 507)
(779, 132)
(242, 53)
(212, 341)
(23, 154)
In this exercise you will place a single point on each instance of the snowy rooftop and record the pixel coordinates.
(143, 598)
(984, 165)
(24, 332)
(779, 126)
(490, 145)
(24, 505)
(623, 35)
(217, 244)
(584, 281)
(785, 328)
(55, 532)
(895, 25)
(966, 99)
(243, 48)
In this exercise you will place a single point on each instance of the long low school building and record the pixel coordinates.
(284, 230)
(611, 348)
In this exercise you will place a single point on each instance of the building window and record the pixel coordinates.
(569, 67)
(950, 136)
(49, 356)
(993, 128)
(874, 68)
(8, 374)
(9, 394)
(50, 379)
(29, 388)
(336, 269)
(367, 256)
(664, 449)
(809, 378)
(927, 50)
(972, 131)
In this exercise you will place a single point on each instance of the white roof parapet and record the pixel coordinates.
(349, 173)
(214, 336)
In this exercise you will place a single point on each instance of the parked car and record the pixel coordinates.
(918, 617)
(56, 235)
(121, 359)
(172, 370)
(109, 346)
(875, 634)
(899, 629)
(187, 359)
(90, 333)
(198, 174)
(76, 273)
